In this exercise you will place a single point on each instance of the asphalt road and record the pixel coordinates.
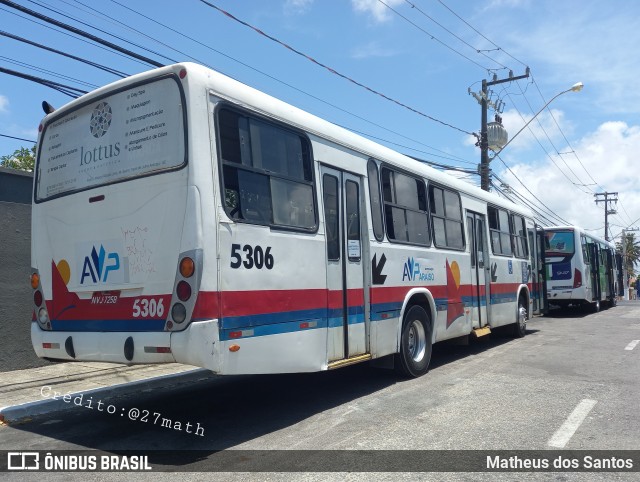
(495, 394)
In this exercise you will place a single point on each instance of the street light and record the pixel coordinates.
(484, 163)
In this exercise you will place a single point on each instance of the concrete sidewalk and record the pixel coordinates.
(25, 393)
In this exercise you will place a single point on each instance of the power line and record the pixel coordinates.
(527, 189)
(506, 193)
(80, 32)
(65, 89)
(370, 136)
(45, 71)
(341, 109)
(71, 36)
(63, 14)
(436, 39)
(414, 6)
(525, 201)
(480, 33)
(17, 138)
(580, 183)
(546, 153)
(333, 71)
(565, 137)
(65, 54)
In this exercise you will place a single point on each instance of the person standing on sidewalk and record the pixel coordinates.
(638, 288)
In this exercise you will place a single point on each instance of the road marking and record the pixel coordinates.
(632, 345)
(571, 424)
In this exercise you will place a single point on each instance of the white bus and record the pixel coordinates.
(182, 216)
(581, 269)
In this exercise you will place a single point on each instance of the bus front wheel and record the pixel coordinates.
(415, 343)
(520, 326)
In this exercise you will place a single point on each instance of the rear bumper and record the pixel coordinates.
(197, 345)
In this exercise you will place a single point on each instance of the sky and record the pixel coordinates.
(399, 72)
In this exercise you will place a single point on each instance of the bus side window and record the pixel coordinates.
(585, 250)
(374, 195)
(499, 227)
(446, 215)
(267, 172)
(405, 207)
(519, 236)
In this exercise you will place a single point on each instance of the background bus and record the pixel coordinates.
(581, 268)
(180, 215)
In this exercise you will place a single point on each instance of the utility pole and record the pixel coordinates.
(606, 198)
(483, 142)
(625, 273)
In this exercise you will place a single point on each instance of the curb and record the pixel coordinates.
(25, 411)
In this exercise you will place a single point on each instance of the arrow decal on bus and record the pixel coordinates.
(494, 276)
(376, 268)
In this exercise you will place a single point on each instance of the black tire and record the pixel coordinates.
(415, 344)
(595, 306)
(519, 328)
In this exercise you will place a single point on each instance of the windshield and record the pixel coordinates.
(560, 242)
(136, 131)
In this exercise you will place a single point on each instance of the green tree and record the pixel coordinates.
(23, 159)
(630, 250)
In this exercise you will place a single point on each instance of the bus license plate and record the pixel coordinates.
(105, 297)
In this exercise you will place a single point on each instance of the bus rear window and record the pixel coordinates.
(560, 242)
(133, 132)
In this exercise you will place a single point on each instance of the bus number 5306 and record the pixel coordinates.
(148, 308)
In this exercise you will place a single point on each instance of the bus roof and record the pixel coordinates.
(579, 230)
(253, 99)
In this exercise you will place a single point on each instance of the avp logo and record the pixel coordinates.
(97, 268)
(417, 269)
(411, 269)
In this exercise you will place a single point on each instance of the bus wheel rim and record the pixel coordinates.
(417, 341)
(522, 316)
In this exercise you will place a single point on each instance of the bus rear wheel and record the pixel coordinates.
(415, 344)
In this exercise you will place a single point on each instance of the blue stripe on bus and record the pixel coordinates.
(287, 327)
(107, 325)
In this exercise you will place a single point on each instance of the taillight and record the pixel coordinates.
(185, 289)
(40, 309)
(187, 267)
(178, 313)
(577, 278)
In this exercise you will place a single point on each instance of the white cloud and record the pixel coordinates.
(379, 12)
(595, 42)
(542, 126)
(609, 155)
(4, 104)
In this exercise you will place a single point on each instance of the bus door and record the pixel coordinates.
(594, 254)
(611, 274)
(540, 269)
(619, 275)
(347, 324)
(480, 266)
